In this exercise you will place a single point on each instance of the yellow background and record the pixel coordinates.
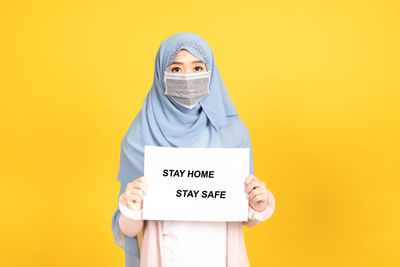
(316, 82)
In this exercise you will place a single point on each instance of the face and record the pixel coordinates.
(186, 63)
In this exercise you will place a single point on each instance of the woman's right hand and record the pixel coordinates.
(135, 192)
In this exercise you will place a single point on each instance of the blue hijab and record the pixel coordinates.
(213, 122)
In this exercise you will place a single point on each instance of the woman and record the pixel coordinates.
(170, 117)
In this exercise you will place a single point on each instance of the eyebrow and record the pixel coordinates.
(177, 62)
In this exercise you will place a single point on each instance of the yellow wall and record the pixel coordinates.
(316, 82)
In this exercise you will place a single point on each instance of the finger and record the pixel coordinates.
(145, 190)
(254, 192)
(258, 198)
(132, 184)
(249, 178)
(129, 187)
(253, 184)
(138, 192)
(142, 180)
(140, 187)
(133, 198)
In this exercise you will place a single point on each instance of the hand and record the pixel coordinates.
(135, 192)
(257, 190)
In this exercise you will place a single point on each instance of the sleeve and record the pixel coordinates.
(130, 222)
(129, 244)
(132, 215)
(255, 217)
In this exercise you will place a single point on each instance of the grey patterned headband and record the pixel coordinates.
(190, 43)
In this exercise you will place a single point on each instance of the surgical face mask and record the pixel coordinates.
(187, 89)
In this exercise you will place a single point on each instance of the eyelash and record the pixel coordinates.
(179, 68)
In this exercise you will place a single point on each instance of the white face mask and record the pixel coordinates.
(187, 89)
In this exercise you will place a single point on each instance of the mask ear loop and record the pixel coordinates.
(165, 83)
(209, 81)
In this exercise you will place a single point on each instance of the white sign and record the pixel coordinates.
(196, 184)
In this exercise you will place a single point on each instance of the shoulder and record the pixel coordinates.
(235, 132)
(235, 123)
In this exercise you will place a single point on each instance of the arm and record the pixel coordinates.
(255, 217)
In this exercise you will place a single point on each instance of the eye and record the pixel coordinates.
(196, 68)
(175, 68)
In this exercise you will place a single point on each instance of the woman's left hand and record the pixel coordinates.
(257, 190)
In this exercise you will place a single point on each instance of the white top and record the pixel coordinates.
(195, 244)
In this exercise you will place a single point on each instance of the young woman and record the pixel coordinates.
(200, 116)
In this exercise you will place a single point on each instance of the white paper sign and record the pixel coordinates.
(196, 184)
